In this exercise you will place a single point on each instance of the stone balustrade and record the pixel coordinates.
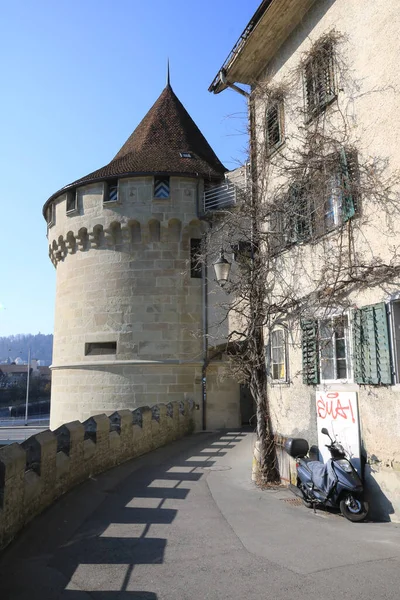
(38, 471)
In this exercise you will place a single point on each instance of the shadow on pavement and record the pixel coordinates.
(108, 543)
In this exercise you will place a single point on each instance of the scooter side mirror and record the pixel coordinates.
(325, 431)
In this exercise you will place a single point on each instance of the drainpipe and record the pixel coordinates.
(204, 289)
(205, 335)
(233, 86)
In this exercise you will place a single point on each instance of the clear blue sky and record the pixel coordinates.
(77, 77)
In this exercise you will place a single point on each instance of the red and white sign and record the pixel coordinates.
(338, 412)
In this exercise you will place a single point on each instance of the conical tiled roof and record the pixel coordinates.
(156, 145)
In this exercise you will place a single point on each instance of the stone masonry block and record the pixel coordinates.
(171, 428)
(76, 433)
(159, 431)
(115, 447)
(185, 417)
(125, 420)
(147, 441)
(103, 459)
(138, 440)
(48, 446)
(89, 455)
(63, 462)
(12, 471)
(34, 495)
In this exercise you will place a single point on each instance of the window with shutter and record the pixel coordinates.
(394, 326)
(324, 200)
(347, 164)
(319, 80)
(371, 345)
(274, 125)
(333, 349)
(161, 187)
(325, 350)
(309, 330)
(298, 219)
(111, 192)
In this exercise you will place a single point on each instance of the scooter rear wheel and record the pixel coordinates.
(354, 508)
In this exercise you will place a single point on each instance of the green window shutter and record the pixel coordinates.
(382, 344)
(372, 364)
(348, 205)
(309, 330)
(358, 345)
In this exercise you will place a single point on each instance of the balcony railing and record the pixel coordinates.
(219, 197)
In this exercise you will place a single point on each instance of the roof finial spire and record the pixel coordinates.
(168, 78)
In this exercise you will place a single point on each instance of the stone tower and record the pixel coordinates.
(129, 300)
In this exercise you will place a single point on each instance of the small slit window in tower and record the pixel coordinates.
(100, 348)
(72, 204)
(186, 154)
(195, 258)
(50, 214)
(111, 192)
(161, 187)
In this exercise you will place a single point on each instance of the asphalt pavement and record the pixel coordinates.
(185, 522)
(18, 433)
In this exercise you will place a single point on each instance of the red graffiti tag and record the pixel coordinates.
(334, 408)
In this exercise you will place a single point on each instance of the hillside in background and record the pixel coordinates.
(14, 346)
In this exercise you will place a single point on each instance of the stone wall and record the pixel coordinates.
(35, 473)
(123, 279)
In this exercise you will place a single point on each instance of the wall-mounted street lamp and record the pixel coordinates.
(222, 268)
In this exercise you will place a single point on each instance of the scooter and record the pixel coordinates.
(335, 483)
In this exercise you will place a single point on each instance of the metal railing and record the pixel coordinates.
(219, 197)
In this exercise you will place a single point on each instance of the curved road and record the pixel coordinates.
(185, 522)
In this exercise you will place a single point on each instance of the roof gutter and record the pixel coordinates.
(233, 86)
(218, 85)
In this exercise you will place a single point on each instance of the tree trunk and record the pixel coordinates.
(258, 387)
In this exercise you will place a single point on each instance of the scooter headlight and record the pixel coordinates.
(345, 465)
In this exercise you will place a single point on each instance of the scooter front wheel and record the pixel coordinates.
(354, 508)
